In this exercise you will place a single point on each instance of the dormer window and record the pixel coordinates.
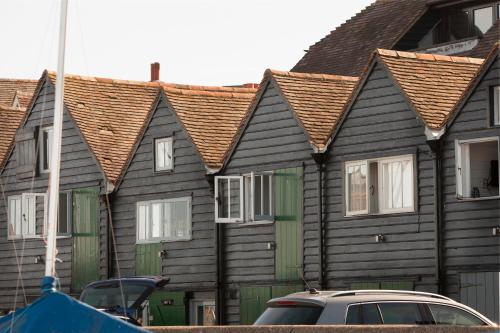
(164, 160)
(45, 139)
(483, 18)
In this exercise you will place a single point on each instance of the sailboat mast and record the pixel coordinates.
(55, 159)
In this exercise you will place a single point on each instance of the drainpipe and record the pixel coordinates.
(320, 159)
(219, 260)
(435, 146)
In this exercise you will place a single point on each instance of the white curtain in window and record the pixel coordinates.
(142, 222)
(397, 184)
(356, 188)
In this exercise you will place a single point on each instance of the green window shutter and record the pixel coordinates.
(167, 308)
(26, 161)
(147, 259)
(252, 303)
(86, 252)
(288, 216)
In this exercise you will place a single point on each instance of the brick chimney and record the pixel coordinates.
(155, 71)
(251, 85)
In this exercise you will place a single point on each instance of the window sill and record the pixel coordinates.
(161, 172)
(255, 223)
(159, 241)
(364, 216)
(461, 199)
(35, 238)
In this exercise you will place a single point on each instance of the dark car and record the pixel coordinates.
(369, 307)
(123, 297)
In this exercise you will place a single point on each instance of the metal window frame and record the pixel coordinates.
(229, 219)
(170, 141)
(149, 239)
(462, 165)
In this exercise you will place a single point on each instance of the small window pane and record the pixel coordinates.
(63, 222)
(400, 313)
(266, 190)
(371, 316)
(15, 216)
(47, 134)
(168, 228)
(258, 196)
(223, 197)
(180, 219)
(143, 222)
(483, 19)
(447, 315)
(356, 188)
(234, 204)
(354, 315)
(156, 219)
(397, 184)
(163, 157)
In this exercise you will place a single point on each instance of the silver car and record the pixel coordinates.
(369, 307)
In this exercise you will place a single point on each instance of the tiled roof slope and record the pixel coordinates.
(433, 84)
(211, 116)
(486, 43)
(346, 49)
(317, 99)
(9, 88)
(110, 114)
(10, 119)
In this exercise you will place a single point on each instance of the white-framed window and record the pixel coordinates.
(379, 186)
(27, 215)
(229, 199)
(164, 220)
(164, 160)
(45, 146)
(476, 167)
(259, 199)
(202, 313)
(496, 106)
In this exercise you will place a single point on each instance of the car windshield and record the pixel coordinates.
(290, 315)
(110, 295)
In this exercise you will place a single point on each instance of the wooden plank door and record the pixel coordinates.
(288, 216)
(167, 308)
(147, 259)
(86, 254)
(480, 291)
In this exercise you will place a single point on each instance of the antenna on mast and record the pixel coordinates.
(55, 159)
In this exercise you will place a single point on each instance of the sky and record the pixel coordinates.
(203, 42)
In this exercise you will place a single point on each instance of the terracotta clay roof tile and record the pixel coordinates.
(434, 84)
(110, 115)
(10, 87)
(318, 100)
(211, 116)
(10, 119)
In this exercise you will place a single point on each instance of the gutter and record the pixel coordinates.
(436, 148)
(320, 159)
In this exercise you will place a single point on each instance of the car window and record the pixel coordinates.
(448, 315)
(400, 313)
(290, 315)
(363, 314)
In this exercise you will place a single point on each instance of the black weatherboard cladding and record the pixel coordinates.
(78, 170)
(380, 124)
(272, 140)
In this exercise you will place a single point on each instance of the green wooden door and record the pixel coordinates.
(86, 255)
(167, 309)
(252, 303)
(288, 216)
(147, 259)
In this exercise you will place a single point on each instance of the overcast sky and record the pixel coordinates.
(211, 42)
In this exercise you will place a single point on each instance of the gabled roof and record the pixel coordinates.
(432, 84)
(9, 88)
(211, 116)
(110, 114)
(10, 120)
(316, 99)
(346, 49)
(487, 42)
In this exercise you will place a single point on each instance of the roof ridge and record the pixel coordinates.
(428, 56)
(207, 88)
(107, 80)
(326, 77)
(18, 80)
(245, 92)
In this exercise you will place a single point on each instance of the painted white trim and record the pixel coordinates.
(170, 142)
(346, 191)
(402, 158)
(229, 219)
(41, 145)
